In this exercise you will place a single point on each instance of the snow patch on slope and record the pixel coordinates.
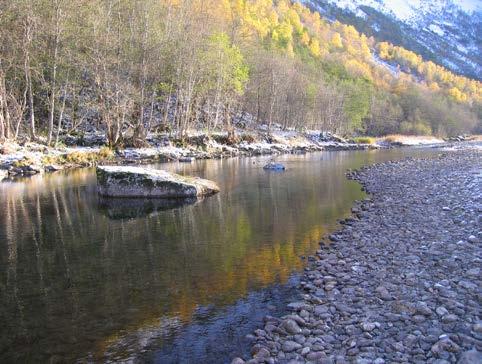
(406, 10)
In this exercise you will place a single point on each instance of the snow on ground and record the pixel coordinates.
(393, 70)
(411, 140)
(436, 29)
(405, 10)
(36, 152)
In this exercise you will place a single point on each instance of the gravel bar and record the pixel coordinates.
(400, 282)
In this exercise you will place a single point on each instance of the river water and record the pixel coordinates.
(84, 279)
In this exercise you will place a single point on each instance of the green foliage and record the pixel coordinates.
(225, 64)
(357, 105)
(198, 63)
(415, 128)
(363, 140)
(24, 162)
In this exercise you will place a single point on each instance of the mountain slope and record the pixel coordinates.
(440, 31)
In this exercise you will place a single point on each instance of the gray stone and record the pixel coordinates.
(305, 351)
(187, 159)
(441, 311)
(274, 166)
(368, 326)
(238, 361)
(418, 319)
(296, 306)
(53, 167)
(475, 272)
(422, 309)
(124, 181)
(448, 319)
(383, 293)
(291, 326)
(316, 356)
(262, 353)
(467, 285)
(477, 327)
(289, 346)
(470, 357)
(473, 239)
(444, 344)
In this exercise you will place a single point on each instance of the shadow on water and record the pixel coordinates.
(132, 208)
(77, 282)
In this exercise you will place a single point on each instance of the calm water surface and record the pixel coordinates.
(91, 280)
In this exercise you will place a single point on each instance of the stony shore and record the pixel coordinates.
(32, 158)
(28, 158)
(400, 282)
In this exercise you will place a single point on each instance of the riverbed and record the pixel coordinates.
(89, 279)
(400, 282)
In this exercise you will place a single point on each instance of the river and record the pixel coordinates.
(92, 280)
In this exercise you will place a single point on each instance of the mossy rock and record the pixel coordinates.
(126, 181)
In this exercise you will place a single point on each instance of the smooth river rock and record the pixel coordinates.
(126, 181)
(273, 166)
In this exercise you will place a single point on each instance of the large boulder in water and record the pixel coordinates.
(125, 181)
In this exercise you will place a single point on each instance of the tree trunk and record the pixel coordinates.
(59, 123)
(54, 74)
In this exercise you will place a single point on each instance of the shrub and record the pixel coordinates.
(24, 162)
(248, 138)
(226, 139)
(363, 140)
(393, 138)
(415, 128)
(106, 153)
(81, 158)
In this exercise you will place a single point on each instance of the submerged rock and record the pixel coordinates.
(124, 181)
(3, 174)
(187, 159)
(53, 167)
(25, 167)
(274, 166)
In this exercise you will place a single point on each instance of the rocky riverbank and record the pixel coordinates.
(89, 150)
(28, 158)
(400, 282)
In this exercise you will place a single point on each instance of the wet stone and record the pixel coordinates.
(291, 326)
(289, 346)
(401, 282)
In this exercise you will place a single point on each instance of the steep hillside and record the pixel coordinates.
(132, 68)
(441, 31)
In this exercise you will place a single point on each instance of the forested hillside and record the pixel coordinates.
(130, 67)
(446, 32)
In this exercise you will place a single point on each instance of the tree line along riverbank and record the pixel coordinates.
(28, 158)
(131, 68)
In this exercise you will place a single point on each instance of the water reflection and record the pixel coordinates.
(75, 280)
(131, 208)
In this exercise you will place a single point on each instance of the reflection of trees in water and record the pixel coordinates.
(74, 277)
(130, 208)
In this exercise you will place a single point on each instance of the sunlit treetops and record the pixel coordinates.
(293, 28)
(436, 77)
(202, 63)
